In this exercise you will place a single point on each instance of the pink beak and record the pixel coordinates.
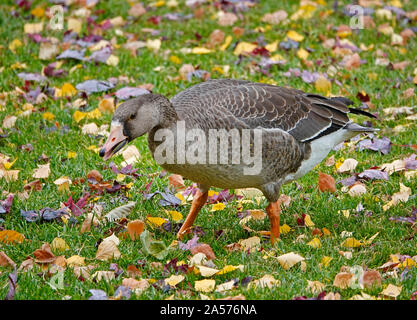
(114, 143)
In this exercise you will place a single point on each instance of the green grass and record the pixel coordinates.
(322, 207)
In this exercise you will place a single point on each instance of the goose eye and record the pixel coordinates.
(133, 116)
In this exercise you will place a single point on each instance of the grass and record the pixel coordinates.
(323, 208)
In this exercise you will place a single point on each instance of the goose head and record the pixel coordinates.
(134, 118)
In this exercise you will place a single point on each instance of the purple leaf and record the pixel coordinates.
(348, 181)
(5, 205)
(101, 55)
(72, 54)
(31, 76)
(91, 86)
(12, 285)
(98, 295)
(411, 162)
(129, 92)
(383, 145)
(189, 244)
(122, 291)
(374, 174)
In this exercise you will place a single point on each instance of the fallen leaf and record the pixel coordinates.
(135, 228)
(206, 285)
(289, 259)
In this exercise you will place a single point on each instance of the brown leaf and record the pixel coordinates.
(134, 284)
(216, 38)
(326, 183)
(227, 19)
(44, 254)
(133, 272)
(371, 278)
(342, 280)
(203, 248)
(5, 260)
(400, 65)
(95, 175)
(135, 228)
(275, 17)
(137, 10)
(176, 181)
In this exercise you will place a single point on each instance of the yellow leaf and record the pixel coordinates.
(285, 228)
(277, 57)
(351, 243)
(71, 154)
(67, 90)
(79, 115)
(16, 43)
(244, 47)
(38, 12)
(175, 215)
(7, 165)
(94, 114)
(218, 206)
(212, 193)
(155, 221)
(201, 50)
(174, 280)
(230, 268)
(48, 116)
(325, 261)
(323, 85)
(272, 46)
(175, 59)
(207, 285)
(226, 43)
(293, 35)
(59, 245)
(308, 222)
(302, 54)
(181, 197)
(315, 243)
(305, 12)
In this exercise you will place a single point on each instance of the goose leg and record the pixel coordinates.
(274, 211)
(199, 200)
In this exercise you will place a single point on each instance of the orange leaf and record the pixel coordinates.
(11, 236)
(135, 228)
(326, 183)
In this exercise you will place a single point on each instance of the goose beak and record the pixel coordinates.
(114, 143)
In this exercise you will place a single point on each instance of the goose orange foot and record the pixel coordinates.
(199, 200)
(273, 210)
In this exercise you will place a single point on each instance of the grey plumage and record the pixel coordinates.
(292, 122)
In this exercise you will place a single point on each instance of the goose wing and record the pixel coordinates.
(305, 116)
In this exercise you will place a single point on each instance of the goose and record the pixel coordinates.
(287, 133)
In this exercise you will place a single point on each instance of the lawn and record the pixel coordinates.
(357, 242)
